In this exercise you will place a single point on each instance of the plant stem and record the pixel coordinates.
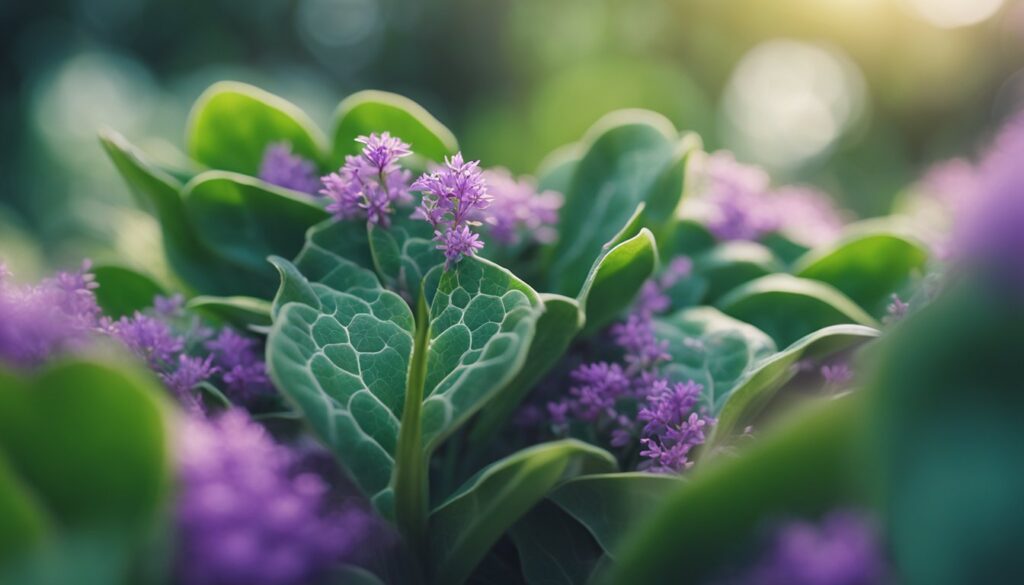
(411, 495)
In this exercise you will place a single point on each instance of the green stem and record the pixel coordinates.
(410, 463)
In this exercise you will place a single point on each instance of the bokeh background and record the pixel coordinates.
(856, 96)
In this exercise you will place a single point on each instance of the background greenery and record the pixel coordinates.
(857, 96)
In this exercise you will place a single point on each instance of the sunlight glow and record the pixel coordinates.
(954, 13)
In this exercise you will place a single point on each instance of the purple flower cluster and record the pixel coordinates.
(56, 315)
(843, 549)
(248, 515)
(743, 206)
(837, 375)
(454, 199)
(632, 404)
(653, 298)
(517, 209)
(371, 183)
(281, 167)
(243, 371)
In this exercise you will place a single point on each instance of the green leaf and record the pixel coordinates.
(404, 253)
(628, 152)
(805, 467)
(556, 170)
(341, 355)
(347, 239)
(465, 526)
(483, 320)
(712, 349)
(158, 192)
(671, 183)
(90, 439)
(122, 291)
(868, 268)
(25, 525)
(553, 548)
(788, 308)
(761, 384)
(352, 575)
(784, 248)
(376, 111)
(561, 320)
(241, 312)
(611, 505)
(686, 237)
(731, 264)
(246, 220)
(231, 125)
(615, 279)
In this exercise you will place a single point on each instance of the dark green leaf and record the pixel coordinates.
(761, 384)
(685, 237)
(465, 526)
(805, 467)
(788, 308)
(711, 349)
(122, 291)
(611, 505)
(868, 268)
(404, 253)
(731, 264)
(628, 151)
(616, 278)
(241, 312)
(25, 523)
(553, 548)
(556, 170)
(377, 111)
(232, 124)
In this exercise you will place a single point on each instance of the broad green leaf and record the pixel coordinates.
(404, 253)
(25, 524)
(686, 237)
(242, 312)
(557, 326)
(465, 526)
(246, 220)
(671, 183)
(788, 308)
(804, 467)
(231, 125)
(712, 349)
(378, 111)
(122, 291)
(554, 549)
(340, 354)
(616, 278)
(868, 268)
(784, 248)
(347, 239)
(731, 264)
(482, 321)
(611, 505)
(556, 170)
(628, 151)
(90, 439)
(760, 385)
(198, 265)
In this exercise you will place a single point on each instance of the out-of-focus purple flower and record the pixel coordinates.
(169, 307)
(896, 310)
(281, 167)
(150, 338)
(517, 209)
(188, 373)
(454, 198)
(36, 321)
(953, 182)
(636, 337)
(843, 549)
(652, 298)
(743, 206)
(838, 374)
(247, 515)
(243, 371)
(370, 183)
(672, 428)
(991, 236)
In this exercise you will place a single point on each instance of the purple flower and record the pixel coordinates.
(517, 209)
(897, 310)
(672, 428)
(636, 338)
(169, 307)
(246, 514)
(806, 214)
(285, 169)
(243, 371)
(838, 374)
(653, 298)
(59, 314)
(188, 373)
(454, 198)
(843, 549)
(150, 338)
(371, 183)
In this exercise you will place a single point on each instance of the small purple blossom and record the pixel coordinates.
(370, 183)
(243, 371)
(281, 167)
(843, 549)
(652, 298)
(246, 514)
(897, 310)
(517, 209)
(672, 428)
(188, 373)
(150, 338)
(838, 374)
(636, 337)
(454, 198)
